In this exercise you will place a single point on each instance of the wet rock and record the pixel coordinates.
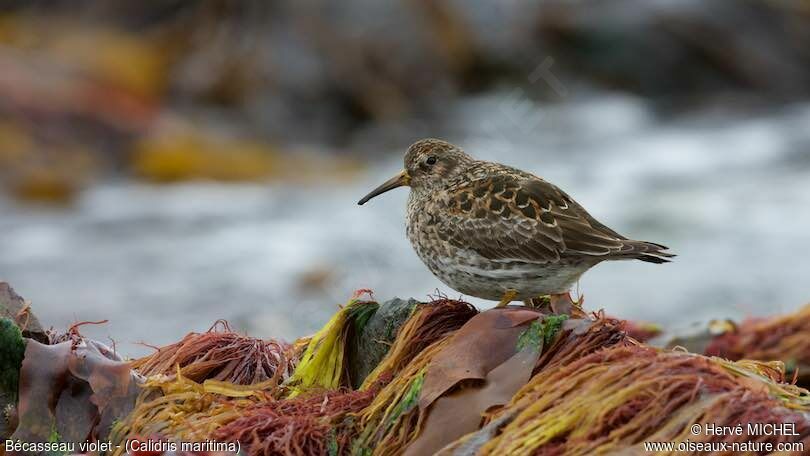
(14, 307)
(679, 48)
(369, 348)
(693, 343)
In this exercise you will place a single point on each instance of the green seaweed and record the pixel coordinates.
(12, 351)
(332, 443)
(361, 314)
(358, 449)
(54, 438)
(409, 400)
(541, 333)
(551, 326)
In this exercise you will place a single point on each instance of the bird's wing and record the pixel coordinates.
(511, 217)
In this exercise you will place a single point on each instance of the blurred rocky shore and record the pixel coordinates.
(169, 90)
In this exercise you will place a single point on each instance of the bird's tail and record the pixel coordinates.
(645, 251)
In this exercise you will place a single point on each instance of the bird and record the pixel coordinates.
(498, 233)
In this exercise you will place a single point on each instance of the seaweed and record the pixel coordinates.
(318, 423)
(391, 422)
(323, 363)
(12, 351)
(179, 408)
(76, 387)
(428, 323)
(644, 394)
(223, 355)
(409, 400)
(454, 381)
(784, 338)
(369, 346)
(541, 332)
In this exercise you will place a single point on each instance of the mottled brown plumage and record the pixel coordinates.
(489, 230)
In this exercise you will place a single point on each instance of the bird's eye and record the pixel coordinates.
(431, 161)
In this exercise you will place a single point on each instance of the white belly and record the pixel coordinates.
(474, 275)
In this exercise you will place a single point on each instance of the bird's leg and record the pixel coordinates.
(508, 297)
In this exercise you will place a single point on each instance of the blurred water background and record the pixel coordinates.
(168, 164)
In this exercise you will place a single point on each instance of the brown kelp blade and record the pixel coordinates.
(73, 389)
(485, 342)
(505, 344)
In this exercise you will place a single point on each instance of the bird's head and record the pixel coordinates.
(428, 164)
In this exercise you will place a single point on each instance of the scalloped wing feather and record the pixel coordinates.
(520, 217)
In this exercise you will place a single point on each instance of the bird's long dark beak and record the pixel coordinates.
(400, 180)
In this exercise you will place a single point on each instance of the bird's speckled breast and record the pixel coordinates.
(472, 274)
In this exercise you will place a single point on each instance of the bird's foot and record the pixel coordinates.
(508, 297)
(558, 304)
